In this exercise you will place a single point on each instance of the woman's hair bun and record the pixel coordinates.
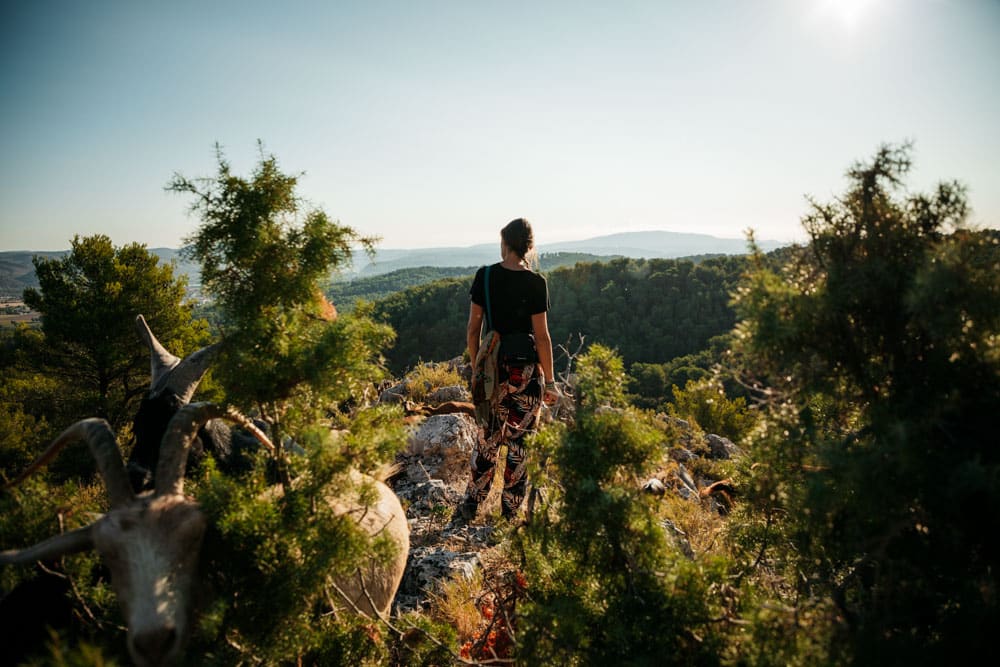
(518, 236)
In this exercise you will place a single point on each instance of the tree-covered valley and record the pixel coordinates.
(783, 458)
(373, 288)
(662, 316)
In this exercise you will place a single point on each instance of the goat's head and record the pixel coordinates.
(169, 374)
(149, 542)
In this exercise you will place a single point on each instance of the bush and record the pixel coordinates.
(705, 403)
(603, 586)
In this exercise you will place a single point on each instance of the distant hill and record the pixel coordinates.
(635, 245)
(657, 244)
(17, 272)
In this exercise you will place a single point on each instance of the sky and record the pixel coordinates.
(435, 123)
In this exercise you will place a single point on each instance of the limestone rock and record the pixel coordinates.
(654, 486)
(677, 537)
(682, 454)
(445, 394)
(429, 567)
(395, 394)
(428, 496)
(721, 448)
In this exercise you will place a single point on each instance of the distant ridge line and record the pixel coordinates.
(635, 245)
(17, 271)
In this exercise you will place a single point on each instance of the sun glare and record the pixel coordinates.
(849, 13)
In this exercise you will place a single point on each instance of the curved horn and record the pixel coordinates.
(101, 440)
(184, 378)
(168, 372)
(80, 539)
(181, 432)
(161, 362)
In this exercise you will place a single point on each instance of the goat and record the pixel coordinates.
(172, 384)
(151, 541)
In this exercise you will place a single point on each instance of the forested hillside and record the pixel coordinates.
(344, 293)
(649, 310)
(17, 271)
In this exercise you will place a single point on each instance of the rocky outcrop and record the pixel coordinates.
(721, 448)
(435, 471)
(445, 394)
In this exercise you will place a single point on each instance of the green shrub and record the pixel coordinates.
(603, 586)
(705, 403)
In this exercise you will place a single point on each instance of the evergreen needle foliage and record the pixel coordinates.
(88, 301)
(878, 476)
(272, 553)
(265, 257)
(603, 586)
(276, 550)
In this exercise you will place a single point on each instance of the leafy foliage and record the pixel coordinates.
(20, 434)
(88, 301)
(705, 402)
(604, 588)
(878, 346)
(265, 257)
(429, 321)
(651, 384)
(648, 310)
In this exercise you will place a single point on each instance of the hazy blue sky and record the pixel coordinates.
(434, 123)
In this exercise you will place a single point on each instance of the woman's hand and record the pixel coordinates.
(551, 395)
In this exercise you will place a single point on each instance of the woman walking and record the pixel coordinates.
(512, 300)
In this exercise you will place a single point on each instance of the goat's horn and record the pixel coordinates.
(101, 440)
(184, 379)
(168, 372)
(161, 362)
(74, 541)
(181, 432)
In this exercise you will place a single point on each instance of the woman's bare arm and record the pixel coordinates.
(473, 330)
(543, 343)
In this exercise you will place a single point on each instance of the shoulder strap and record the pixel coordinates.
(486, 288)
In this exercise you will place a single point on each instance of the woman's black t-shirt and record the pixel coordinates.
(514, 297)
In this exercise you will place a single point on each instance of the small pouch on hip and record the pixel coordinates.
(518, 348)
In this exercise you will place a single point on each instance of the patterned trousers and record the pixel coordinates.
(518, 407)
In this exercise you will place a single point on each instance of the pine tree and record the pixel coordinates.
(879, 347)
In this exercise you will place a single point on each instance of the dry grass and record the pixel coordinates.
(457, 604)
(703, 527)
(425, 378)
